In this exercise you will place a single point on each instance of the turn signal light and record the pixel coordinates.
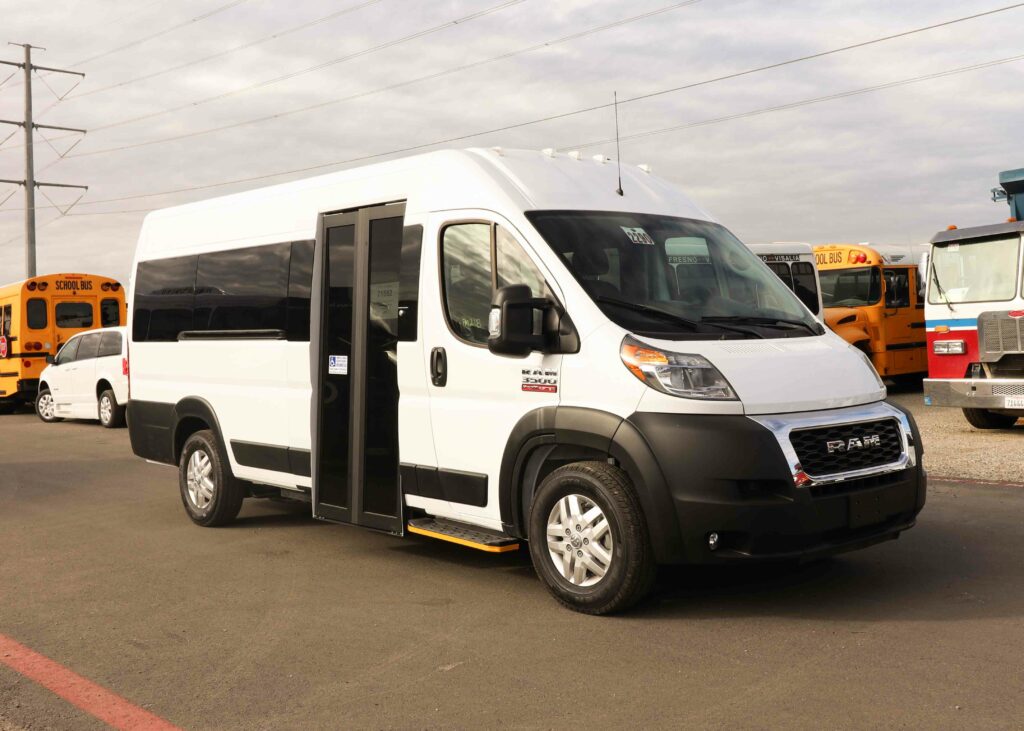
(31, 286)
(114, 287)
(105, 286)
(951, 227)
(43, 286)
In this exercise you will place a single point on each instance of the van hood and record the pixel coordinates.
(790, 374)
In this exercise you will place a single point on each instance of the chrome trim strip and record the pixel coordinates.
(780, 425)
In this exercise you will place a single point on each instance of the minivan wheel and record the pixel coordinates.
(984, 419)
(589, 540)
(211, 494)
(110, 412)
(46, 408)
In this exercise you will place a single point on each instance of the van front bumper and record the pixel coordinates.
(974, 393)
(738, 477)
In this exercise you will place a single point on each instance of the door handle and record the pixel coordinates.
(438, 367)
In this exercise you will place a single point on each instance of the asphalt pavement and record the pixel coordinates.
(280, 621)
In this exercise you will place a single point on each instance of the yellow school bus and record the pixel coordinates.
(37, 315)
(875, 304)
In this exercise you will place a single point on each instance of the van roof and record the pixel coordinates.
(488, 179)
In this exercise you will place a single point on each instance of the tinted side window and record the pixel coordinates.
(409, 282)
(73, 314)
(781, 270)
(68, 352)
(805, 285)
(88, 346)
(110, 344)
(5, 321)
(164, 295)
(35, 311)
(243, 289)
(466, 270)
(300, 281)
(110, 313)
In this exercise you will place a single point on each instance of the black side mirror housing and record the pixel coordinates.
(50, 359)
(511, 321)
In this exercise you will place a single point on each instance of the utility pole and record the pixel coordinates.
(30, 182)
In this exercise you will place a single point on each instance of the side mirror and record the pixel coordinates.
(49, 358)
(511, 323)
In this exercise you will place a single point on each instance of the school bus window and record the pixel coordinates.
(5, 321)
(73, 314)
(897, 288)
(110, 313)
(35, 312)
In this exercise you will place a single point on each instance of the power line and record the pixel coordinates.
(401, 84)
(228, 51)
(461, 138)
(165, 31)
(598, 107)
(316, 67)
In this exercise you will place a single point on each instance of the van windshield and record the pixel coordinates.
(674, 278)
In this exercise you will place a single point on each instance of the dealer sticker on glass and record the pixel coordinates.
(637, 235)
(1014, 402)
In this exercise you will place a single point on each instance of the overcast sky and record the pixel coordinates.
(890, 166)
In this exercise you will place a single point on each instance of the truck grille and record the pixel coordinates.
(854, 447)
(998, 333)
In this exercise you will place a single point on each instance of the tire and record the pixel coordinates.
(45, 406)
(984, 419)
(210, 493)
(629, 571)
(111, 413)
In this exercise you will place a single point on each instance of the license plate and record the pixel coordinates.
(873, 507)
(1014, 402)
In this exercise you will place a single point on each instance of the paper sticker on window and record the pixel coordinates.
(337, 365)
(637, 235)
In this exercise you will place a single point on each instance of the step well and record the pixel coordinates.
(463, 534)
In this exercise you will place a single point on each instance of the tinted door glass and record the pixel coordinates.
(35, 312)
(466, 265)
(110, 313)
(337, 344)
(243, 289)
(68, 352)
(88, 346)
(380, 463)
(164, 294)
(300, 280)
(110, 344)
(72, 315)
(897, 288)
(515, 266)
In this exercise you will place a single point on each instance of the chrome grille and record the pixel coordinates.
(998, 334)
(812, 447)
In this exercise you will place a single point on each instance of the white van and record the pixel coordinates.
(487, 347)
(88, 379)
(793, 263)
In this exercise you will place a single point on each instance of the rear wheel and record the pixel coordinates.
(985, 419)
(589, 540)
(211, 494)
(110, 412)
(46, 407)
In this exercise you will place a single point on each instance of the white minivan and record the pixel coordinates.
(88, 379)
(496, 346)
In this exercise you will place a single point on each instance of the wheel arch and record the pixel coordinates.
(549, 437)
(194, 414)
(103, 385)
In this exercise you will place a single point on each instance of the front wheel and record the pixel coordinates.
(110, 412)
(985, 419)
(589, 540)
(46, 407)
(211, 494)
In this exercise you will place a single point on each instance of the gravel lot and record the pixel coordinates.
(955, 449)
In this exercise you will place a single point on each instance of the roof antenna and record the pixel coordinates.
(618, 155)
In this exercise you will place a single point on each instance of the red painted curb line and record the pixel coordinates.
(94, 699)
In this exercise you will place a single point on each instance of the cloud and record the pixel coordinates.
(891, 166)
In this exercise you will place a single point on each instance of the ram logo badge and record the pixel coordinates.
(853, 444)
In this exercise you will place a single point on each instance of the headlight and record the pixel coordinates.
(677, 374)
(949, 347)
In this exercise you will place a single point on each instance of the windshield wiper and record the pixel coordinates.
(672, 317)
(941, 289)
(765, 321)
